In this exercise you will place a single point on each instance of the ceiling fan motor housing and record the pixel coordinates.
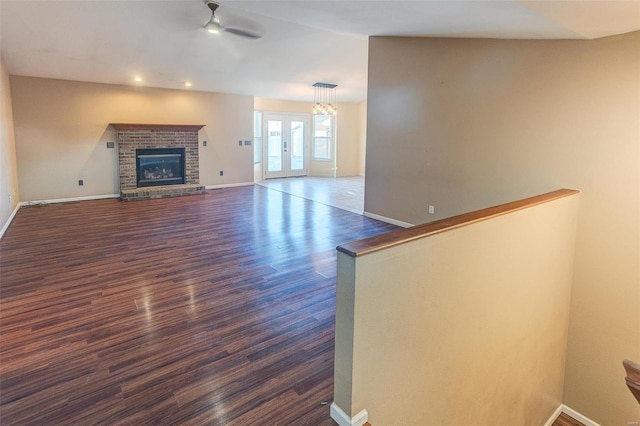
(215, 26)
(212, 5)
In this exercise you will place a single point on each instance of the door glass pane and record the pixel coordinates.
(274, 144)
(297, 145)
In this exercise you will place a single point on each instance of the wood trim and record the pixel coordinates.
(168, 127)
(388, 220)
(9, 220)
(343, 419)
(401, 236)
(551, 420)
(41, 203)
(577, 416)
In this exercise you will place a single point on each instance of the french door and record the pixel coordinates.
(286, 145)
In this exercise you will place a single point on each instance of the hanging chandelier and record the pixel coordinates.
(324, 99)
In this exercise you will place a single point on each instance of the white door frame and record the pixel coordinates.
(286, 148)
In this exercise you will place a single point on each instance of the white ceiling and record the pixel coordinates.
(305, 41)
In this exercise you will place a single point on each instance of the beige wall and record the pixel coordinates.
(348, 138)
(362, 136)
(9, 195)
(62, 128)
(462, 124)
(279, 105)
(465, 327)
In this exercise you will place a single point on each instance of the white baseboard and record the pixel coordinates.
(67, 200)
(362, 417)
(228, 185)
(554, 416)
(344, 420)
(11, 216)
(388, 220)
(579, 417)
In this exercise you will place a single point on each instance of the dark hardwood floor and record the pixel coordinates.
(565, 420)
(210, 309)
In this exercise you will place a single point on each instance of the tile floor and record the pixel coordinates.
(345, 193)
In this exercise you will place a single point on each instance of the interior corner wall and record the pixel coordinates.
(362, 138)
(9, 194)
(347, 137)
(462, 124)
(62, 129)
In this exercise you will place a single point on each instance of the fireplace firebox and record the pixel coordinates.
(160, 166)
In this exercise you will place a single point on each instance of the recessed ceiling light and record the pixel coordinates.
(138, 79)
(187, 83)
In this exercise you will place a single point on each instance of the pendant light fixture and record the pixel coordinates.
(324, 99)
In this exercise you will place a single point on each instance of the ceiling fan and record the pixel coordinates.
(214, 26)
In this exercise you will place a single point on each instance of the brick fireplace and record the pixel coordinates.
(136, 140)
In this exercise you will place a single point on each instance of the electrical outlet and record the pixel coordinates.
(432, 210)
(80, 182)
(221, 173)
(10, 198)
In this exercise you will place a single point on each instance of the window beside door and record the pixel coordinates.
(322, 137)
(257, 137)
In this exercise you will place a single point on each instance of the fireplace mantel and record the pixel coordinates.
(167, 127)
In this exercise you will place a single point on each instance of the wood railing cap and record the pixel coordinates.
(146, 126)
(405, 235)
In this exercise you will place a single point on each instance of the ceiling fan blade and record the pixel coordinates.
(243, 33)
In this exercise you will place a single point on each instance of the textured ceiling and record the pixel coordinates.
(305, 41)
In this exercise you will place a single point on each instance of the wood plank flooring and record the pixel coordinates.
(210, 309)
(565, 420)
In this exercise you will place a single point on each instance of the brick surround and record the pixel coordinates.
(141, 136)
